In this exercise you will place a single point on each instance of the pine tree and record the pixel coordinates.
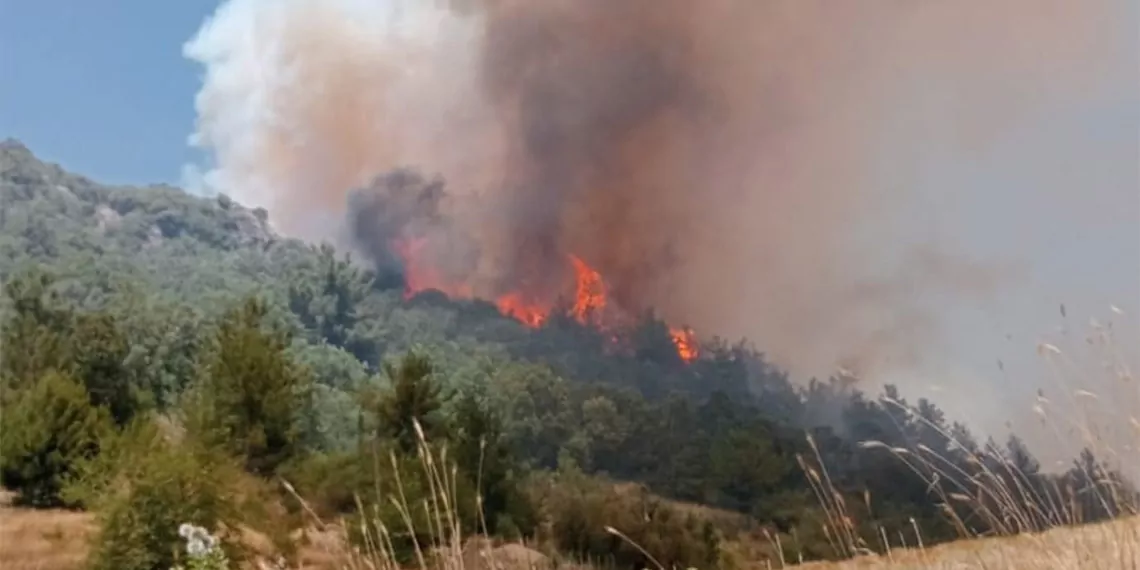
(251, 395)
(414, 397)
(481, 452)
(47, 431)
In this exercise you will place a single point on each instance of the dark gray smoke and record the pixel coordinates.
(395, 209)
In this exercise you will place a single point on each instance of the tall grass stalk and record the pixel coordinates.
(995, 491)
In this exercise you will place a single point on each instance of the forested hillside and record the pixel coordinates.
(291, 360)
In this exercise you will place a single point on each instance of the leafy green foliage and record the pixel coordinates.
(484, 456)
(100, 354)
(43, 336)
(410, 410)
(33, 339)
(251, 393)
(325, 301)
(417, 499)
(143, 486)
(47, 430)
(625, 527)
(331, 483)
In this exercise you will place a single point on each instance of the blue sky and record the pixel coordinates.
(102, 87)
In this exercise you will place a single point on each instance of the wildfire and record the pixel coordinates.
(589, 295)
(686, 342)
(529, 314)
(589, 292)
(419, 275)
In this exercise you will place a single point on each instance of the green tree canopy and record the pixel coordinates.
(48, 429)
(414, 397)
(251, 394)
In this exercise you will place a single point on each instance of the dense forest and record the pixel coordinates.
(168, 358)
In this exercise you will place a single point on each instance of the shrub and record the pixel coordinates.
(403, 503)
(48, 429)
(143, 487)
(330, 482)
(599, 521)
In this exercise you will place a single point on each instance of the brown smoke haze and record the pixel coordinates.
(729, 163)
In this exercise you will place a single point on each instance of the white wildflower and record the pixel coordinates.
(196, 548)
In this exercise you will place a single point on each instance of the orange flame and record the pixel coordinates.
(686, 342)
(529, 314)
(589, 294)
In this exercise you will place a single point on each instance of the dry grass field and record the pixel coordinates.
(42, 539)
(1108, 546)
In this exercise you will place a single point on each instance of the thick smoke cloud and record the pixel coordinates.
(734, 164)
(394, 206)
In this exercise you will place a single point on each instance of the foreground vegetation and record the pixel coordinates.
(54, 540)
(169, 360)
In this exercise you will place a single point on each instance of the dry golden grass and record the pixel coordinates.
(55, 539)
(43, 539)
(1109, 546)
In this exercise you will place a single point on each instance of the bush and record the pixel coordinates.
(143, 487)
(420, 502)
(580, 514)
(330, 482)
(47, 430)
